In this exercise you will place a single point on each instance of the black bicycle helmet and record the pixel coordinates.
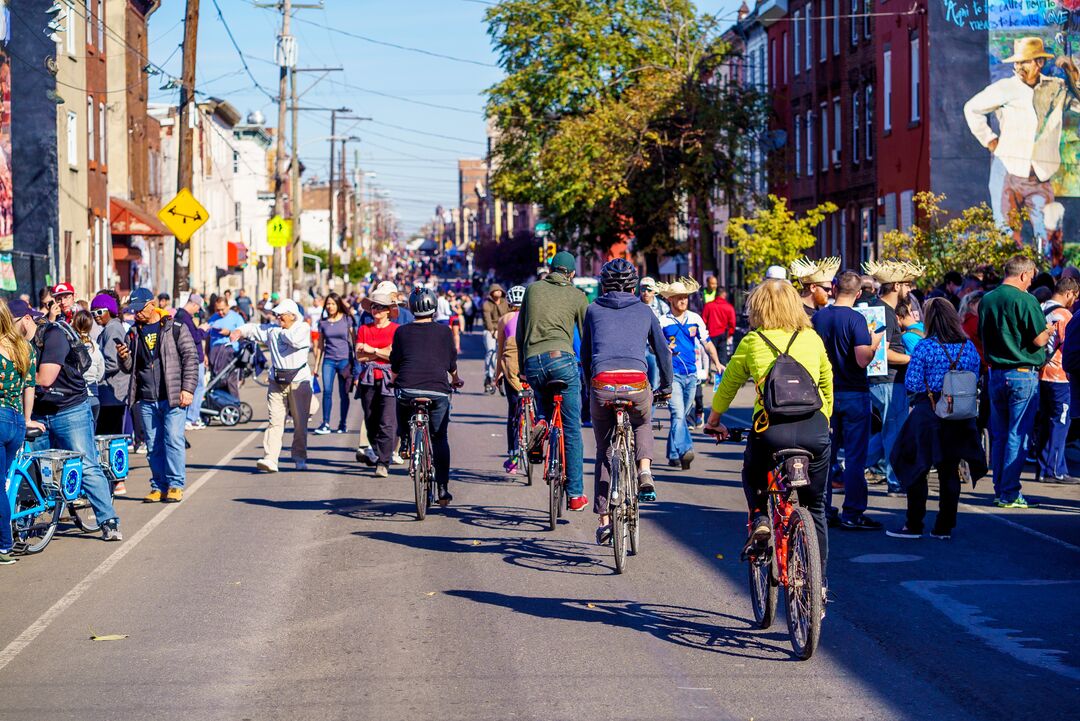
(423, 302)
(618, 274)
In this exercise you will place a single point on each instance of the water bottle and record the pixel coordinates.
(716, 383)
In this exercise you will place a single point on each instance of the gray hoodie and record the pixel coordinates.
(113, 386)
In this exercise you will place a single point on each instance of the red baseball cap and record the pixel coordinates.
(63, 289)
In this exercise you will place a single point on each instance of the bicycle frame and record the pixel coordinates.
(556, 424)
(781, 505)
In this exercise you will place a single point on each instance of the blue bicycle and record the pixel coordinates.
(40, 485)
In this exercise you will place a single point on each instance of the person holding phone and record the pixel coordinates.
(851, 347)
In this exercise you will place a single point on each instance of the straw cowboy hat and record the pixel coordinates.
(1027, 49)
(893, 271)
(683, 286)
(381, 296)
(808, 271)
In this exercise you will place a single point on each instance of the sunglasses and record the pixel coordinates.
(98, 312)
(378, 306)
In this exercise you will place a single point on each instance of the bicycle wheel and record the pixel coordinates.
(419, 472)
(620, 510)
(83, 515)
(34, 531)
(764, 587)
(554, 476)
(525, 424)
(803, 592)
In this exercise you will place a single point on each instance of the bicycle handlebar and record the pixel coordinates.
(734, 434)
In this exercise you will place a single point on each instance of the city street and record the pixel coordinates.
(318, 595)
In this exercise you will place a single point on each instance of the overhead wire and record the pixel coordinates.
(239, 52)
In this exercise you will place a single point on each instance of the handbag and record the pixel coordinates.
(284, 376)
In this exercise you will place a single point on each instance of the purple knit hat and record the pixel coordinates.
(103, 300)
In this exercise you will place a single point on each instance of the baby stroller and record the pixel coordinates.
(218, 402)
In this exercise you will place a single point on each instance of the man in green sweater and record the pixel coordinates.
(552, 311)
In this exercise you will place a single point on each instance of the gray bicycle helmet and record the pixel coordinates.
(423, 302)
(618, 274)
(516, 295)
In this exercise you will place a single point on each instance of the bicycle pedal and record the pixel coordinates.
(647, 497)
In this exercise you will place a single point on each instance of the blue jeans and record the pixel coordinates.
(1053, 428)
(561, 366)
(12, 433)
(679, 440)
(438, 427)
(1012, 416)
(193, 415)
(890, 402)
(332, 369)
(72, 429)
(164, 427)
(652, 369)
(851, 430)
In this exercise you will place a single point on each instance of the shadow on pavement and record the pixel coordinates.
(500, 518)
(690, 627)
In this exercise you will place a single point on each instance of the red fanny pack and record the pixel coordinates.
(620, 377)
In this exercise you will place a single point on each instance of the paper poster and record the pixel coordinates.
(875, 320)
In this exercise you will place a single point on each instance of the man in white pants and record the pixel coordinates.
(495, 307)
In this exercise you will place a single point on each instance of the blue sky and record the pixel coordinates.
(418, 170)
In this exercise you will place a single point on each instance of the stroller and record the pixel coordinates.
(218, 402)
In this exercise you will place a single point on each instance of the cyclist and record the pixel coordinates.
(618, 329)
(776, 314)
(507, 371)
(424, 363)
(550, 313)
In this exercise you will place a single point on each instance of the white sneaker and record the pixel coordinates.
(397, 460)
(188, 426)
(267, 465)
(141, 449)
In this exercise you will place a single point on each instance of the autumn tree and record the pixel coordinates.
(773, 235)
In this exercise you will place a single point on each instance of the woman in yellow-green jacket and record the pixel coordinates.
(776, 312)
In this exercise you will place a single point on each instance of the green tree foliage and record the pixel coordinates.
(943, 241)
(611, 115)
(773, 236)
(357, 268)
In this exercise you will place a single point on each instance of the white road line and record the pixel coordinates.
(36, 628)
(1023, 528)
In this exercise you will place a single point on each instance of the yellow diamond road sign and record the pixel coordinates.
(278, 232)
(183, 215)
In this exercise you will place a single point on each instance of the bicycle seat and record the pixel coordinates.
(782, 455)
(421, 402)
(555, 386)
(32, 433)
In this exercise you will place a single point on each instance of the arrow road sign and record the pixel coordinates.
(183, 215)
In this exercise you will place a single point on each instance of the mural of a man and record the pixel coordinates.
(1029, 107)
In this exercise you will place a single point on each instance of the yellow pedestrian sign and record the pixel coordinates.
(183, 215)
(278, 232)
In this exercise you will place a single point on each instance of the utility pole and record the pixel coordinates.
(295, 191)
(330, 204)
(185, 140)
(285, 61)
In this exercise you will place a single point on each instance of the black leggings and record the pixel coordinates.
(810, 434)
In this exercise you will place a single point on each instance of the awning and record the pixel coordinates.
(130, 219)
(238, 254)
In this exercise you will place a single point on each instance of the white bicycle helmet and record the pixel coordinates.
(516, 295)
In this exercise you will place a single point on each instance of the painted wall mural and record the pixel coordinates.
(7, 195)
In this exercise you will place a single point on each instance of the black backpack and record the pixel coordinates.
(788, 390)
(78, 357)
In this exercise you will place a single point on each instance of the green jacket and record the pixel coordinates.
(552, 309)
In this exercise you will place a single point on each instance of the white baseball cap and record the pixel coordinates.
(287, 306)
(648, 282)
(776, 272)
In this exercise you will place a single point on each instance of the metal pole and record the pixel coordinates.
(295, 191)
(185, 139)
(330, 203)
(279, 159)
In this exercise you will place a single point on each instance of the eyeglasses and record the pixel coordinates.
(98, 312)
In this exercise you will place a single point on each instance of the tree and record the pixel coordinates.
(611, 115)
(773, 236)
(942, 241)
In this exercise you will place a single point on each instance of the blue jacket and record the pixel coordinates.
(618, 329)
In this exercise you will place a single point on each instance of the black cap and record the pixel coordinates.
(139, 299)
(20, 308)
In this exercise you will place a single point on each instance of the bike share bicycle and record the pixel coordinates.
(40, 485)
(787, 555)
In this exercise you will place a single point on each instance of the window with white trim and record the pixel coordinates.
(856, 124)
(89, 15)
(838, 133)
(868, 109)
(809, 25)
(810, 143)
(836, 28)
(73, 139)
(854, 20)
(91, 141)
(886, 93)
(69, 27)
(798, 145)
(797, 33)
(916, 72)
(824, 137)
(868, 9)
(784, 72)
(823, 32)
(103, 134)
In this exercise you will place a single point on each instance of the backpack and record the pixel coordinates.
(78, 357)
(788, 390)
(959, 391)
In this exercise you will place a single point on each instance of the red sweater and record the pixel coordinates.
(719, 317)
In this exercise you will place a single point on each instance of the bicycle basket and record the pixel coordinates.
(113, 455)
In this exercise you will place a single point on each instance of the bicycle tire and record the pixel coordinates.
(419, 474)
(764, 587)
(803, 593)
(553, 474)
(525, 435)
(620, 511)
(41, 525)
(83, 515)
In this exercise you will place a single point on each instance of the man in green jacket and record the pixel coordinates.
(552, 311)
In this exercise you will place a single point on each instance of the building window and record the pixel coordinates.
(236, 161)
(774, 77)
(838, 133)
(916, 72)
(855, 21)
(761, 67)
(101, 25)
(868, 8)
(237, 208)
(73, 139)
(91, 141)
(69, 27)
(836, 27)
(907, 210)
(798, 145)
(886, 93)
(809, 38)
(868, 108)
(784, 71)
(103, 134)
(890, 211)
(856, 125)
(89, 15)
(824, 137)
(866, 235)
(823, 34)
(797, 33)
(809, 143)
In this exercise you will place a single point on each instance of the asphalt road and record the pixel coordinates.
(317, 595)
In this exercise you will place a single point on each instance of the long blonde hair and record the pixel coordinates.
(775, 304)
(12, 343)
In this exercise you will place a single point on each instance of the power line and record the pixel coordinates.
(239, 52)
(409, 100)
(433, 135)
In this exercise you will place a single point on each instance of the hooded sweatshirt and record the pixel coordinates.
(553, 308)
(618, 328)
(494, 310)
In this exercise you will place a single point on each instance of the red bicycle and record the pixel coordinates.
(555, 456)
(526, 418)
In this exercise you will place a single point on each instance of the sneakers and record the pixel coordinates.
(174, 495)
(154, 496)
(140, 448)
(510, 465)
(603, 535)
(267, 465)
(646, 490)
(367, 455)
(1018, 502)
(381, 471)
(188, 426)
(444, 497)
(341, 430)
(119, 489)
(686, 459)
(578, 503)
(322, 430)
(6, 559)
(860, 523)
(110, 531)
(941, 535)
(397, 460)
(903, 532)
